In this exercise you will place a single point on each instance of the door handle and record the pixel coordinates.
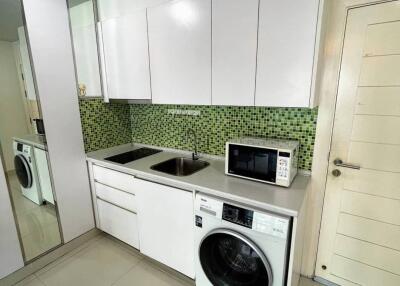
(340, 163)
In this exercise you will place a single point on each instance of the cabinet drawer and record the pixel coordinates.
(116, 197)
(118, 222)
(113, 178)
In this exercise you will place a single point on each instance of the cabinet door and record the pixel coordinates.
(166, 233)
(285, 60)
(118, 222)
(234, 48)
(180, 52)
(42, 166)
(126, 56)
(117, 8)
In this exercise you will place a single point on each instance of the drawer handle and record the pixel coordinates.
(115, 205)
(114, 188)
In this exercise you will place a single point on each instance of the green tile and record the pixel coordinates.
(106, 125)
(151, 124)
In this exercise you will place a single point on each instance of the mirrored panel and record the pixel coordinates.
(83, 29)
(23, 141)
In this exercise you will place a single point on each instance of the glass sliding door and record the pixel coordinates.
(23, 147)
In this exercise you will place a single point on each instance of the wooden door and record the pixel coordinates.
(360, 235)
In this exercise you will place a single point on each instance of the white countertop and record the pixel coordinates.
(211, 180)
(34, 140)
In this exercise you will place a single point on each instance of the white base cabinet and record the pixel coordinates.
(42, 166)
(118, 222)
(115, 204)
(166, 225)
(157, 219)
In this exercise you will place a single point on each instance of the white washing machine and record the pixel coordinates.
(25, 168)
(238, 245)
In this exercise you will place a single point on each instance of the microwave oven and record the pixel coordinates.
(269, 161)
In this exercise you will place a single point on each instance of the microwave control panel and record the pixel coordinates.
(282, 172)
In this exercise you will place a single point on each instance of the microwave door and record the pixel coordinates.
(253, 162)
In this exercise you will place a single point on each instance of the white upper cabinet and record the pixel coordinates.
(286, 48)
(85, 49)
(126, 57)
(117, 8)
(234, 51)
(180, 52)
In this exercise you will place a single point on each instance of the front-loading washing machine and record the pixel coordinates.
(25, 168)
(239, 245)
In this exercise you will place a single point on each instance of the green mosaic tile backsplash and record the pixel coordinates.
(104, 125)
(151, 124)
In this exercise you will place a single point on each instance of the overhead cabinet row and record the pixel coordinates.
(212, 52)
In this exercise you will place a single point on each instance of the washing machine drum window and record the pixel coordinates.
(229, 258)
(23, 171)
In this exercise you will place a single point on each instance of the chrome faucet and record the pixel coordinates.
(189, 132)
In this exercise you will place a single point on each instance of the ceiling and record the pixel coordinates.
(10, 19)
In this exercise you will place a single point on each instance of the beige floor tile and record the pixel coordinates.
(41, 240)
(12, 179)
(38, 224)
(100, 264)
(106, 261)
(68, 255)
(145, 274)
(30, 281)
(36, 219)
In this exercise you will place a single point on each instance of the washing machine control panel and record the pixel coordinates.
(237, 215)
(272, 225)
(262, 222)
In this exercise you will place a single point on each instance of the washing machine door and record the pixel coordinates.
(23, 171)
(229, 258)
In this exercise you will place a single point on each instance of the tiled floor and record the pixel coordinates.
(38, 225)
(106, 261)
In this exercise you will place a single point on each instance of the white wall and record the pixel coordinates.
(12, 110)
(10, 250)
(26, 64)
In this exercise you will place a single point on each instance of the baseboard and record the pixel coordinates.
(324, 282)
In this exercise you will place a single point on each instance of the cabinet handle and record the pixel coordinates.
(117, 206)
(102, 62)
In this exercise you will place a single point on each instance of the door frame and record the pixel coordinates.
(333, 40)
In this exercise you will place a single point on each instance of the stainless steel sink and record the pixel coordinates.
(180, 166)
